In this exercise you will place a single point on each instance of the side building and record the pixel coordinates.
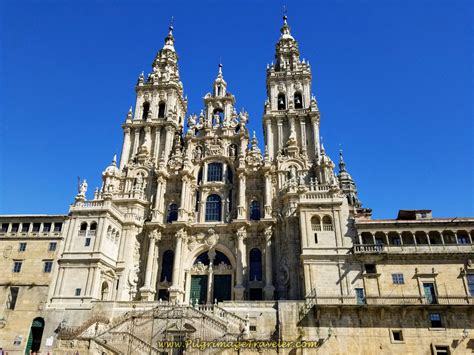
(29, 247)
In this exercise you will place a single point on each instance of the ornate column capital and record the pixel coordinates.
(181, 234)
(241, 233)
(154, 235)
(268, 234)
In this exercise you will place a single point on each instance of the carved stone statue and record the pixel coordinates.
(83, 189)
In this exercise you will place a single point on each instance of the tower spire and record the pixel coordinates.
(169, 40)
(342, 164)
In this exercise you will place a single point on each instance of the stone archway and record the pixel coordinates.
(36, 333)
(210, 278)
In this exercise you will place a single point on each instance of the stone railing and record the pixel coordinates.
(388, 300)
(407, 249)
(236, 322)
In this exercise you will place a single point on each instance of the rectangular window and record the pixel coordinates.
(12, 297)
(47, 227)
(370, 268)
(78, 292)
(470, 284)
(214, 172)
(360, 296)
(48, 266)
(58, 226)
(4, 227)
(87, 242)
(398, 279)
(15, 227)
(435, 319)
(52, 246)
(25, 227)
(253, 328)
(315, 238)
(36, 227)
(16, 266)
(397, 335)
(22, 247)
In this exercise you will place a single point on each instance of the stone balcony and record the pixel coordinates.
(413, 249)
(403, 300)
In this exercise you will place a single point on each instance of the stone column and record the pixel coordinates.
(303, 134)
(280, 134)
(156, 147)
(182, 212)
(210, 278)
(175, 290)
(136, 141)
(268, 196)
(125, 147)
(242, 203)
(168, 141)
(147, 139)
(147, 292)
(314, 121)
(269, 288)
(268, 132)
(159, 204)
(239, 288)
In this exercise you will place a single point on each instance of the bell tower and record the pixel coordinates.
(159, 110)
(291, 115)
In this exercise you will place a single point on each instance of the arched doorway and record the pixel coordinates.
(211, 278)
(36, 333)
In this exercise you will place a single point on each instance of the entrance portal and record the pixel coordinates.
(222, 288)
(36, 333)
(198, 289)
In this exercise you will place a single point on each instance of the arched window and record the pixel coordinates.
(104, 293)
(298, 100)
(221, 258)
(172, 213)
(167, 266)
(316, 223)
(255, 211)
(93, 226)
(255, 257)
(146, 110)
(327, 223)
(213, 208)
(161, 110)
(218, 116)
(281, 101)
(83, 226)
(214, 172)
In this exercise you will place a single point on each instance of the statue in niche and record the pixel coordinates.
(197, 153)
(232, 150)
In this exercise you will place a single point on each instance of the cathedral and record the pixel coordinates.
(197, 234)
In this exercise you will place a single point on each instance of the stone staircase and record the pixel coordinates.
(147, 331)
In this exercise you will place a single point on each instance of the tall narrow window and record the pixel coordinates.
(298, 100)
(12, 297)
(146, 110)
(172, 213)
(255, 211)
(16, 266)
(4, 227)
(255, 257)
(48, 266)
(213, 208)
(470, 283)
(46, 227)
(58, 226)
(161, 110)
(22, 247)
(167, 266)
(214, 172)
(281, 101)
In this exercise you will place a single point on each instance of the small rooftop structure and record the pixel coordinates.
(412, 215)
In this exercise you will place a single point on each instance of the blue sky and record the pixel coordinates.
(393, 79)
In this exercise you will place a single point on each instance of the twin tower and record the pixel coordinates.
(201, 214)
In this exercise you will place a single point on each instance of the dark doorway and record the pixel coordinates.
(36, 333)
(222, 288)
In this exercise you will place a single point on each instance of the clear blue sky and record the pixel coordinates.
(393, 79)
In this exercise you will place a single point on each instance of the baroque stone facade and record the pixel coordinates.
(198, 233)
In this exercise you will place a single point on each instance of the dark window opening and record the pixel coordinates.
(172, 213)
(146, 110)
(87, 242)
(161, 110)
(36, 227)
(4, 227)
(255, 257)
(435, 319)
(52, 246)
(281, 102)
(397, 335)
(370, 268)
(167, 266)
(22, 247)
(78, 292)
(15, 227)
(25, 227)
(47, 227)
(58, 227)
(315, 238)
(298, 100)
(48, 266)
(17, 266)
(255, 294)
(255, 211)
